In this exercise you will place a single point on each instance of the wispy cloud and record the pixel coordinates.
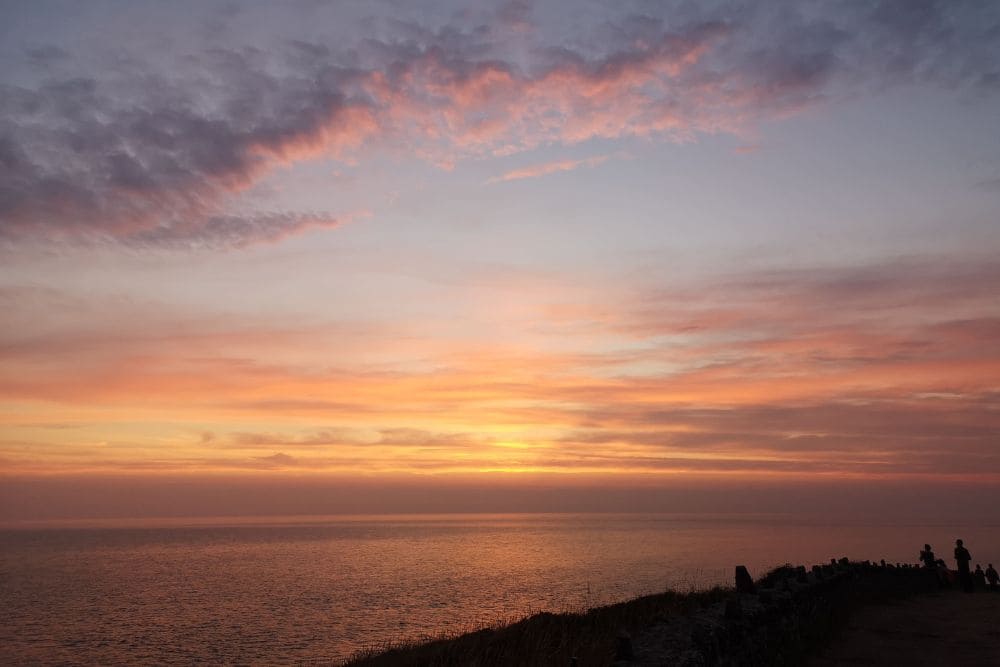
(887, 369)
(991, 185)
(534, 171)
(277, 460)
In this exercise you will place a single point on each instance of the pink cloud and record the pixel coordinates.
(534, 171)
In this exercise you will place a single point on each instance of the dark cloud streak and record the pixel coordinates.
(145, 162)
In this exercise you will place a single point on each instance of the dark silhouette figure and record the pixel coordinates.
(962, 557)
(992, 577)
(927, 557)
(979, 576)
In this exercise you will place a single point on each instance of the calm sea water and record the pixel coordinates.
(316, 590)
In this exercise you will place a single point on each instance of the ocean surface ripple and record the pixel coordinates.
(306, 590)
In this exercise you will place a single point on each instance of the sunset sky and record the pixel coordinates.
(467, 246)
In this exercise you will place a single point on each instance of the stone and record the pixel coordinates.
(744, 582)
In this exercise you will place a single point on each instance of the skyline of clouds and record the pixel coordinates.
(886, 371)
(525, 243)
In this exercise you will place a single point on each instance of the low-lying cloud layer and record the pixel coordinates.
(880, 371)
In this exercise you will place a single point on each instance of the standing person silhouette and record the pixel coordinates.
(962, 557)
(927, 556)
(992, 577)
(979, 577)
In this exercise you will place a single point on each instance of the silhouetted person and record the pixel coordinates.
(927, 557)
(992, 577)
(979, 576)
(962, 557)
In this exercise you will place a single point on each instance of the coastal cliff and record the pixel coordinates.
(782, 618)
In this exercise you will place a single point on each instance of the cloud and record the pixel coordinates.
(231, 231)
(344, 438)
(316, 439)
(516, 14)
(883, 369)
(130, 152)
(44, 55)
(792, 300)
(278, 460)
(534, 171)
(146, 162)
(991, 185)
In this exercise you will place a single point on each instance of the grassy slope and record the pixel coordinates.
(543, 639)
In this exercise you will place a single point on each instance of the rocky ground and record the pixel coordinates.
(946, 628)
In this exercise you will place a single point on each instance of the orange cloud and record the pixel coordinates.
(774, 387)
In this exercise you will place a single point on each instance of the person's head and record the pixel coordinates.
(927, 547)
(958, 542)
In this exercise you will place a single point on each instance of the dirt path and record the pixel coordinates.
(951, 628)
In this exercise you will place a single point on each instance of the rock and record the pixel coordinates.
(744, 582)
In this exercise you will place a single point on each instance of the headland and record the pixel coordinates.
(839, 613)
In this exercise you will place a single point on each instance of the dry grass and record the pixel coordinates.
(541, 639)
(590, 636)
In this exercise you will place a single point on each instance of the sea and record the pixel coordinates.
(296, 590)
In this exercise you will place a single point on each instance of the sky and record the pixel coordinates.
(307, 257)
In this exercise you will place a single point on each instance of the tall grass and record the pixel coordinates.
(539, 639)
